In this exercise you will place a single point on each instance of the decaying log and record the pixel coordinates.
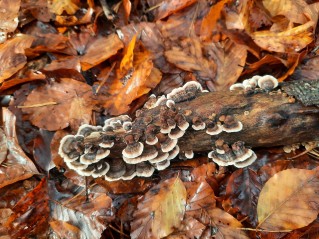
(268, 118)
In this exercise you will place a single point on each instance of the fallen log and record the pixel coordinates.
(226, 125)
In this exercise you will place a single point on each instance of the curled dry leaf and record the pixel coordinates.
(289, 200)
(160, 210)
(17, 166)
(69, 102)
(100, 50)
(12, 57)
(291, 40)
(30, 217)
(8, 18)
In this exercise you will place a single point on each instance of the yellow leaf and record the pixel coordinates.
(160, 210)
(127, 61)
(69, 6)
(291, 40)
(289, 200)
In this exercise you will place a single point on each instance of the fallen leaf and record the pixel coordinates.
(208, 25)
(12, 56)
(291, 40)
(127, 60)
(9, 17)
(65, 230)
(190, 228)
(243, 186)
(200, 196)
(142, 78)
(73, 105)
(17, 166)
(230, 58)
(31, 213)
(160, 210)
(100, 50)
(59, 6)
(127, 9)
(289, 200)
(223, 225)
(162, 9)
(90, 215)
(189, 56)
(292, 9)
(3, 146)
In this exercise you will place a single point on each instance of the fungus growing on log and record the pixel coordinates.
(221, 127)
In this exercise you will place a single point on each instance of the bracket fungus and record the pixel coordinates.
(151, 141)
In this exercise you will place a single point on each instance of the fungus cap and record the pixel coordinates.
(133, 150)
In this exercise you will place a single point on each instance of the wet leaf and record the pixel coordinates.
(200, 196)
(69, 102)
(30, 217)
(160, 210)
(17, 166)
(12, 57)
(90, 215)
(225, 225)
(289, 200)
(243, 186)
(100, 50)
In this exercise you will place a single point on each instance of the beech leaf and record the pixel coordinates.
(71, 104)
(160, 210)
(17, 166)
(289, 200)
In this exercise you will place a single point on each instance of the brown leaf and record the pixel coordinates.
(17, 165)
(3, 146)
(9, 17)
(127, 10)
(65, 230)
(243, 186)
(289, 200)
(100, 50)
(200, 196)
(190, 228)
(12, 57)
(90, 215)
(30, 217)
(224, 225)
(71, 105)
(143, 79)
(189, 57)
(160, 210)
(167, 7)
(230, 59)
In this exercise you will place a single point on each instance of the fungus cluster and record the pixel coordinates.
(149, 142)
(266, 82)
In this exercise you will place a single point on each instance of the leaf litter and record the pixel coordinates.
(55, 55)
